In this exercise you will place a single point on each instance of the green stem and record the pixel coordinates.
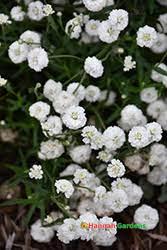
(59, 205)
(73, 77)
(99, 118)
(78, 186)
(67, 56)
(81, 81)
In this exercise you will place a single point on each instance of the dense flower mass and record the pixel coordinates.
(85, 88)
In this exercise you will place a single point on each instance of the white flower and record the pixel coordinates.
(68, 231)
(74, 26)
(52, 89)
(77, 90)
(134, 194)
(35, 10)
(52, 126)
(158, 154)
(70, 170)
(161, 45)
(107, 33)
(88, 132)
(91, 27)
(59, 13)
(87, 180)
(37, 230)
(36, 172)
(39, 110)
(117, 200)
(50, 149)
(64, 186)
(97, 141)
(110, 2)
(129, 64)
(48, 10)
(162, 27)
(3, 81)
(122, 184)
(149, 95)
(162, 119)
(92, 93)
(31, 38)
(93, 137)
(105, 236)
(17, 13)
(81, 175)
(108, 220)
(131, 116)
(114, 138)
(105, 155)
(154, 109)
(146, 36)
(64, 101)
(119, 19)
(139, 137)
(154, 130)
(4, 19)
(162, 2)
(80, 154)
(85, 232)
(85, 205)
(158, 176)
(100, 193)
(18, 52)
(134, 162)
(93, 67)
(116, 168)
(74, 117)
(38, 59)
(158, 77)
(146, 215)
(94, 5)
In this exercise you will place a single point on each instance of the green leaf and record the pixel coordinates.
(161, 71)
(23, 202)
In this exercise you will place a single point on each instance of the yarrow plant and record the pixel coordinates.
(88, 99)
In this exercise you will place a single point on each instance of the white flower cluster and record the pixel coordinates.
(146, 215)
(4, 19)
(28, 47)
(149, 95)
(36, 11)
(146, 36)
(65, 187)
(36, 172)
(159, 77)
(129, 64)
(142, 136)
(17, 13)
(107, 31)
(131, 116)
(3, 81)
(73, 122)
(73, 229)
(102, 231)
(158, 159)
(93, 67)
